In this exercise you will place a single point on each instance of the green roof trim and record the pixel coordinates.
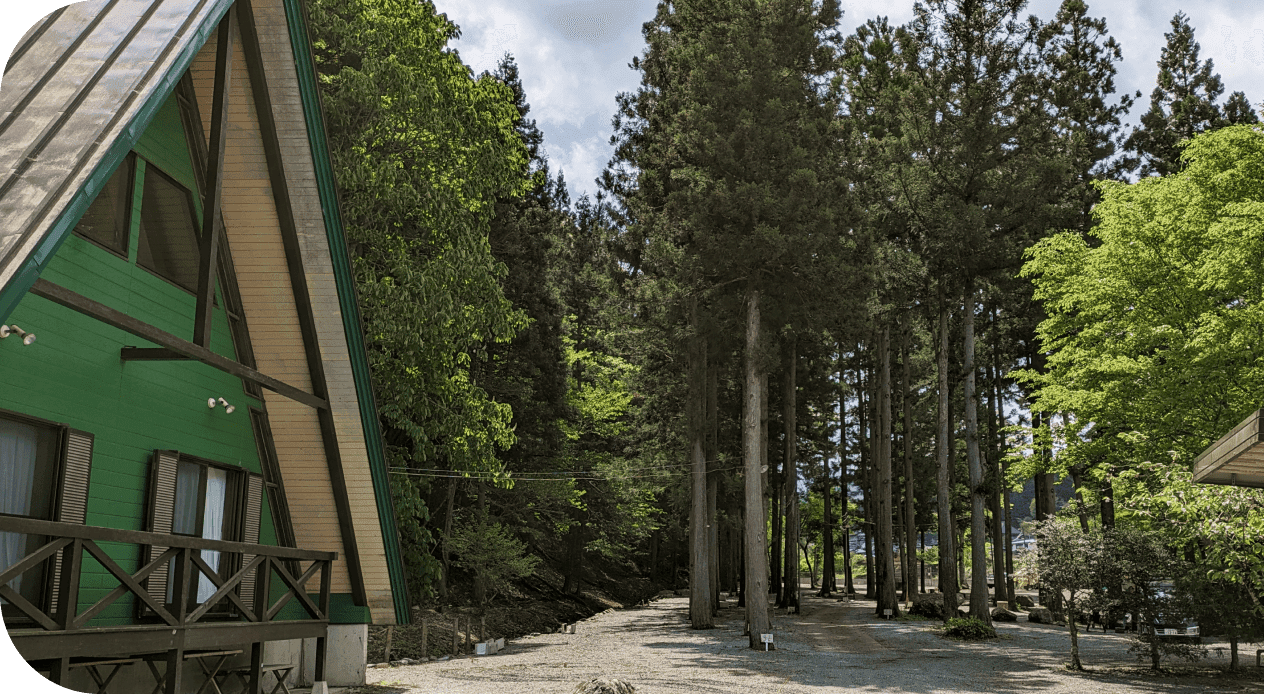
(305, 66)
(25, 277)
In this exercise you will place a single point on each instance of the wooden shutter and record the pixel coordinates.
(162, 502)
(72, 492)
(250, 533)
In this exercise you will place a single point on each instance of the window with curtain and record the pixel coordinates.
(28, 475)
(205, 500)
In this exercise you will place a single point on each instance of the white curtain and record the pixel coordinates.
(17, 485)
(212, 525)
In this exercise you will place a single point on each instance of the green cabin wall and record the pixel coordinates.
(73, 375)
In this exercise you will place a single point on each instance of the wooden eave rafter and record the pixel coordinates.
(213, 182)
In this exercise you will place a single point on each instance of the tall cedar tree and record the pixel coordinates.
(975, 181)
(723, 153)
(1182, 105)
(529, 373)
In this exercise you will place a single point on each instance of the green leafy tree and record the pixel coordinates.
(421, 151)
(1077, 563)
(1151, 319)
(1218, 528)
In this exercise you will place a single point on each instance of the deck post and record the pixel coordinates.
(322, 641)
(60, 667)
(180, 596)
(256, 668)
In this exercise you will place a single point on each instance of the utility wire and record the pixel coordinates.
(579, 475)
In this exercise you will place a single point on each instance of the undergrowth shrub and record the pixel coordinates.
(969, 628)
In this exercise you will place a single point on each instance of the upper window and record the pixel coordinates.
(106, 221)
(168, 234)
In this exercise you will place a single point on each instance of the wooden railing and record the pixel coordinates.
(63, 629)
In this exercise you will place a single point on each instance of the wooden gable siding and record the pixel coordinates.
(252, 228)
(278, 56)
(73, 375)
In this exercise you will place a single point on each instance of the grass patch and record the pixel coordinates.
(967, 629)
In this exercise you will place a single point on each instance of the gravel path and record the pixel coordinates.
(832, 647)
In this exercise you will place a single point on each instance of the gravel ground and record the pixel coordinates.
(831, 647)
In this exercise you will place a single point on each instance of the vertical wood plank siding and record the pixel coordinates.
(319, 270)
(254, 237)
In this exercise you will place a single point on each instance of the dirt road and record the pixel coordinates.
(831, 647)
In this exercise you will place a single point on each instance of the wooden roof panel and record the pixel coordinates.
(1237, 458)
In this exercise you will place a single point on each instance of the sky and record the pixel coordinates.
(574, 54)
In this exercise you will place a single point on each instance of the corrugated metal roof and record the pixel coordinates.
(77, 92)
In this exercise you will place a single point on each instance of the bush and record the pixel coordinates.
(488, 550)
(968, 628)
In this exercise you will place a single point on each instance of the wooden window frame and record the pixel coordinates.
(188, 194)
(129, 197)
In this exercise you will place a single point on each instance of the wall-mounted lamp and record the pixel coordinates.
(7, 330)
(211, 402)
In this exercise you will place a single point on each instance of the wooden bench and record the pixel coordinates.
(281, 671)
(212, 671)
(91, 665)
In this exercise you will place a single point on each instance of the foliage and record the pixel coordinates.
(1219, 527)
(1077, 564)
(489, 551)
(1153, 320)
(968, 628)
(411, 517)
(1182, 105)
(421, 150)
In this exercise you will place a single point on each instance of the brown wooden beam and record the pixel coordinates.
(212, 223)
(134, 640)
(150, 354)
(94, 309)
(34, 526)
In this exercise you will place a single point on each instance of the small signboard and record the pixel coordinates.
(886, 613)
(767, 639)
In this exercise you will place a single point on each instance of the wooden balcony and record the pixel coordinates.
(65, 629)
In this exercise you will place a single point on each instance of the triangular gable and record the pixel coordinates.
(61, 134)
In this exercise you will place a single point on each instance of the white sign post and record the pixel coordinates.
(767, 639)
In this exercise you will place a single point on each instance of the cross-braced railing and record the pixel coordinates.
(253, 620)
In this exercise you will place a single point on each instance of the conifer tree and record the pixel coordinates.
(1182, 105)
(723, 163)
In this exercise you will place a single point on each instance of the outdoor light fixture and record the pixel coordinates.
(228, 409)
(7, 330)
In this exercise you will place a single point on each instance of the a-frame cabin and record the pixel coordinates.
(190, 457)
